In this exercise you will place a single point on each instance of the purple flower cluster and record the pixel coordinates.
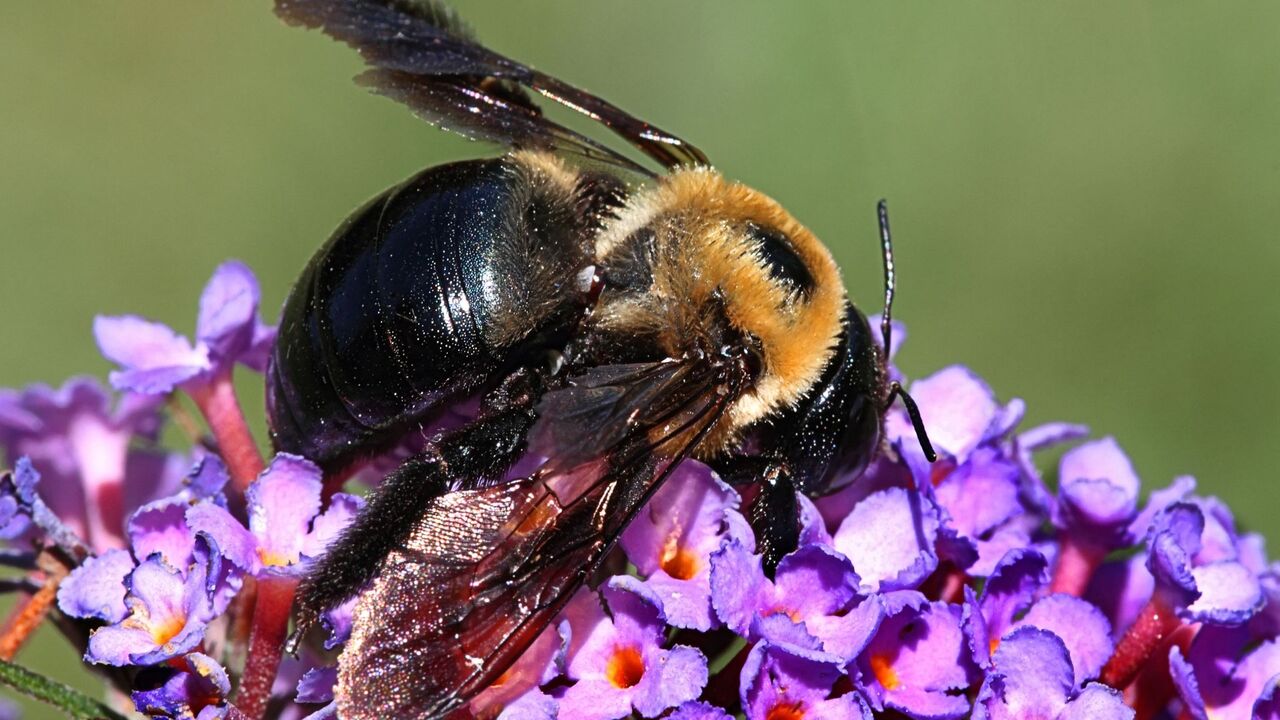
(962, 588)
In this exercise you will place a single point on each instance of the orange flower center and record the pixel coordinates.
(676, 561)
(163, 632)
(882, 668)
(626, 667)
(786, 711)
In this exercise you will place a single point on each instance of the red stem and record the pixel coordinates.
(1149, 633)
(217, 402)
(1150, 693)
(1077, 561)
(266, 642)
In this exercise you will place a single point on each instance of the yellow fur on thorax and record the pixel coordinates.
(699, 219)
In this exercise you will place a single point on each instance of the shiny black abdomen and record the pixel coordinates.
(431, 290)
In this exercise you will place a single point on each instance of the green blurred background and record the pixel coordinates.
(1084, 195)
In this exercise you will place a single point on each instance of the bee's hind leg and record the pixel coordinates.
(478, 453)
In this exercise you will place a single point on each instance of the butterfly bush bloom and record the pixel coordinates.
(983, 585)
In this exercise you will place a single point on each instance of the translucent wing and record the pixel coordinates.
(424, 57)
(486, 570)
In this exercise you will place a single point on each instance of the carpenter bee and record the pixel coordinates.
(612, 320)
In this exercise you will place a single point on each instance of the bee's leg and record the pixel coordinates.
(773, 514)
(470, 456)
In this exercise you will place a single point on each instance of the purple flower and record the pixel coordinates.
(197, 691)
(672, 540)
(1098, 495)
(785, 683)
(918, 662)
(1008, 592)
(517, 692)
(158, 529)
(167, 612)
(620, 664)
(93, 453)
(814, 588)
(1221, 591)
(154, 359)
(1033, 678)
(285, 523)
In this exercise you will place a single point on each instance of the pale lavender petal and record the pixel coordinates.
(1099, 487)
(1097, 702)
(343, 508)
(96, 589)
(595, 698)
(154, 358)
(918, 662)
(533, 705)
(815, 581)
(738, 586)
(161, 527)
(234, 541)
(889, 537)
(674, 676)
(1032, 678)
(1081, 626)
(957, 407)
(776, 678)
(282, 503)
(228, 310)
(1229, 594)
(991, 551)
(981, 493)
(847, 635)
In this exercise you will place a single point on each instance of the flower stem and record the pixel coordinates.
(1077, 561)
(1156, 622)
(1151, 691)
(217, 402)
(28, 615)
(266, 641)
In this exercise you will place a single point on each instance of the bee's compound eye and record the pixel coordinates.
(780, 258)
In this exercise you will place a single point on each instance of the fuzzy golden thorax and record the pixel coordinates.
(705, 270)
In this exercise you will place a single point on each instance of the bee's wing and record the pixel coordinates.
(424, 57)
(484, 571)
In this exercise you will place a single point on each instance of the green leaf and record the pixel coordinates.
(70, 701)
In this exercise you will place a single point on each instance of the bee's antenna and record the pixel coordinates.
(917, 422)
(890, 279)
(886, 330)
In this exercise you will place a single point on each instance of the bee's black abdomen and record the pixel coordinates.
(423, 294)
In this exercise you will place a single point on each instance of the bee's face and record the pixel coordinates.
(721, 253)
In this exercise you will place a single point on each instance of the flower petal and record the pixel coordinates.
(889, 537)
(96, 589)
(1082, 628)
(154, 359)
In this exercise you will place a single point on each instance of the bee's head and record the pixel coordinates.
(709, 263)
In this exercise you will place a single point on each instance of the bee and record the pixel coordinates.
(611, 319)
